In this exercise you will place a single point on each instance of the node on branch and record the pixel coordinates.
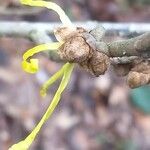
(80, 47)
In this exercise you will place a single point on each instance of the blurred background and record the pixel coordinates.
(95, 113)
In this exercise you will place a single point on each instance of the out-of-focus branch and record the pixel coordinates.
(24, 28)
(19, 11)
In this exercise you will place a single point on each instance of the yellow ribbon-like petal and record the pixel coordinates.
(50, 5)
(52, 79)
(25, 144)
(32, 65)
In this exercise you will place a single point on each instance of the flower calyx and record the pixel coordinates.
(80, 47)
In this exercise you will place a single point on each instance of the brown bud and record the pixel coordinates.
(75, 50)
(64, 33)
(80, 47)
(99, 63)
(136, 79)
(142, 67)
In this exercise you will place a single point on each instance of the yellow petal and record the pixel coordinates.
(50, 5)
(32, 65)
(25, 144)
(52, 79)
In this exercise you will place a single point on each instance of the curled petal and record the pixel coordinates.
(32, 65)
(50, 5)
(25, 144)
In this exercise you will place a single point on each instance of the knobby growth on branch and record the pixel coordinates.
(123, 55)
(89, 50)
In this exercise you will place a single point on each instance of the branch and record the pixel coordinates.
(19, 11)
(39, 33)
(23, 29)
(123, 60)
(138, 46)
(130, 57)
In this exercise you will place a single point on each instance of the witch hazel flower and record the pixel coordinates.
(75, 45)
(31, 66)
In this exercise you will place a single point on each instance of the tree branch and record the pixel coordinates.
(40, 33)
(138, 46)
(19, 11)
(23, 29)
